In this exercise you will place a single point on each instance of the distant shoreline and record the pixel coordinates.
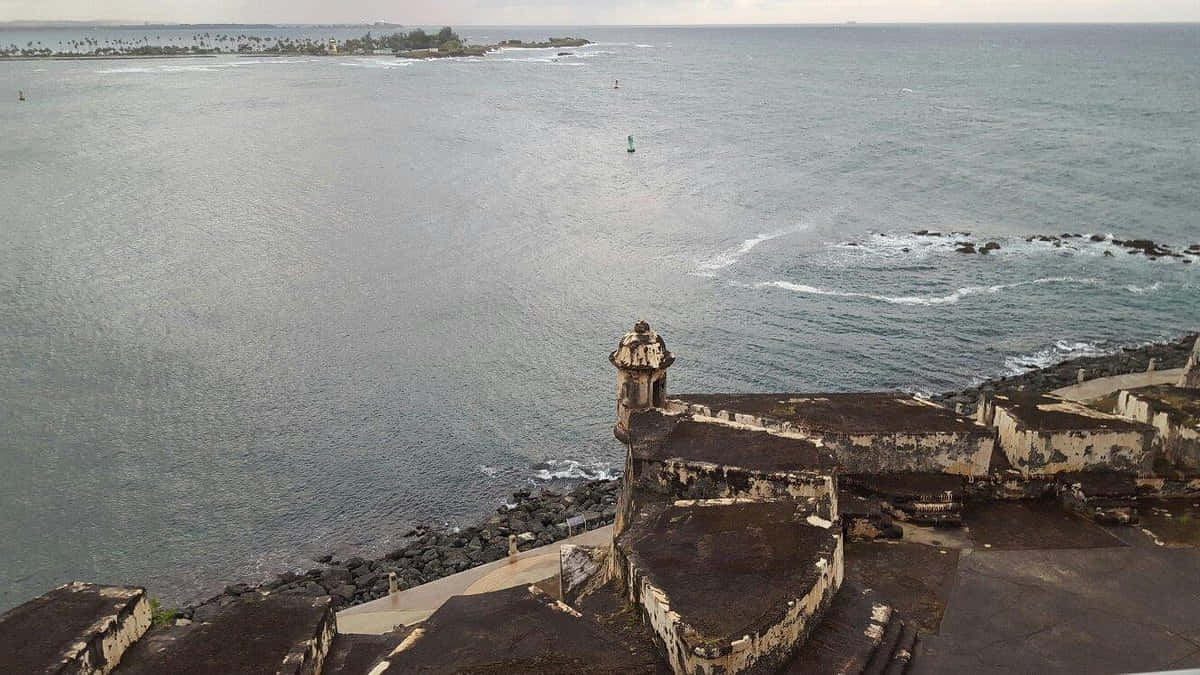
(113, 57)
(458, 51)
(125, 25)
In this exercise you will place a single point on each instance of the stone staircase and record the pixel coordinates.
(921, 498)
(860, 633)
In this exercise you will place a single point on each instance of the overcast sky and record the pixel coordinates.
(531, 12)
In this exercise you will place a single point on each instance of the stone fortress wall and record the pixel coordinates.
(731, 545)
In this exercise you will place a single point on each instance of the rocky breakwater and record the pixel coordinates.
(429, 553)
(1166, 355)
(962, 243)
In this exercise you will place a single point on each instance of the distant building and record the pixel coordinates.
(333, 49)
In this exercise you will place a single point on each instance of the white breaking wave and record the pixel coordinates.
(948, 299)
(379, 64)
(1060, 351)
(900, 246)
(176, 67)
(554, 60)
(731, 256)
(565, 469)
(207, 67)
(1142, 290)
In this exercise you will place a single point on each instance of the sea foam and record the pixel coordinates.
(378, 64)
(1142, 290)
(731, 256)
(1060, 351)
(948, 299)
(569, 469)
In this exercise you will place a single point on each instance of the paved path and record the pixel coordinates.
(1124, 609)
(417, 603)
(1103, 386)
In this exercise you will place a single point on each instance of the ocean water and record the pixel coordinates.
(257, 310)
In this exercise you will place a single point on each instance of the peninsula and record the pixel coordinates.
(413, 44)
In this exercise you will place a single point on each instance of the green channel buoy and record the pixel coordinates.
(631, 145)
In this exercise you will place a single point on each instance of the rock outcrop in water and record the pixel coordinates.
(1149, 248)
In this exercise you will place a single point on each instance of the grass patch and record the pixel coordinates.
(160, 617)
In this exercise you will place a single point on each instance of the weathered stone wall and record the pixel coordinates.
(1042, 452)
(116, 634)
(1176, 444)
(1190, 377)
(582, 569)
(78, 628)
(960, 453)
(681, 479)
(308, 657)
(963, 454)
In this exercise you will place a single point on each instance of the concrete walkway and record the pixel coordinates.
(417, 603)
(1103, 386)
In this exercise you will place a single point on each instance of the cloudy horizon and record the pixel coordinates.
(592, 12)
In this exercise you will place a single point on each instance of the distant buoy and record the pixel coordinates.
(616, 84)
(20, 95)
(631, 145)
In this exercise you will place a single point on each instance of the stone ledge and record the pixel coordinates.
(283, 634)
(516, 630)
(77, 628)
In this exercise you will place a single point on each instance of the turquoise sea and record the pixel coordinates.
(256, 310)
